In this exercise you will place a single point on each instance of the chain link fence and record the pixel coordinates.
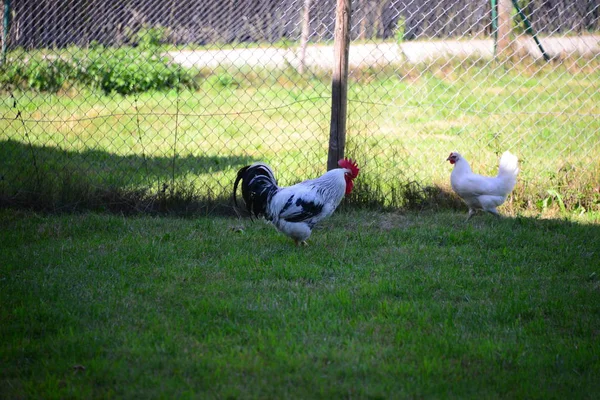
(152, 105)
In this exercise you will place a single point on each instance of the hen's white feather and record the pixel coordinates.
(483, 192)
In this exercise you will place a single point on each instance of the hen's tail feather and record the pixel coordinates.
(508, 170)
(258, 186)
(509, 165)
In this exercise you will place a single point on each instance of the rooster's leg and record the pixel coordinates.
(472, 212)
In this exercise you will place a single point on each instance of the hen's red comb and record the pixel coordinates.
(351, 165)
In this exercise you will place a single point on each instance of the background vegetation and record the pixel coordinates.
(205, 22)
(81, 144)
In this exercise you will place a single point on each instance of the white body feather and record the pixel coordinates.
(294, 210)
(327, 190)
(483, 192)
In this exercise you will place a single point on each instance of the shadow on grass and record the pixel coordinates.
(369, 193)
(47, 178)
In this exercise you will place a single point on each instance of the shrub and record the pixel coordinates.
(11, 74)
(131, 70)
(41, 73)
(124, 70)
(48, 75)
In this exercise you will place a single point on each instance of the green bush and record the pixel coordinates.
(129, 70)
(11, 74)
(41, 73)
(48, 75)
(124, 70)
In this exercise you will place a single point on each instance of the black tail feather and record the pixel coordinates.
(258, 186)
(240, 175)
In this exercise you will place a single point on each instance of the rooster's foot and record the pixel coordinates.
(471, 214)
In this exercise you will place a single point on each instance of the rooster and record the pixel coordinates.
(482, 192)
(294, 210)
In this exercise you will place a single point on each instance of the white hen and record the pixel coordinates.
(483, 192)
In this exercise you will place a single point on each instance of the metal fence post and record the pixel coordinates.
(339, 85)
(530, 30)
(494, 7)
(5, 30)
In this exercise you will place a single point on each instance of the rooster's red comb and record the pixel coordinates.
(351, 165)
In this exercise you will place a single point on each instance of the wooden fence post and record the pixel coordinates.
(504, 28)
(304, 35)
(339, 84)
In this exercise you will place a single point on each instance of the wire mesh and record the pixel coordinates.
(136, 102)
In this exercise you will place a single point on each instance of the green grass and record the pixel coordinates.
(416, 305)
(402, 123)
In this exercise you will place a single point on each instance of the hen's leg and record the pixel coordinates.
(493, 212)
(300, 243)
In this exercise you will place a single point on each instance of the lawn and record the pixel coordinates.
(402, 124)
(380, 305)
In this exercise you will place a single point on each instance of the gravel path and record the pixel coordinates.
(365, 55)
